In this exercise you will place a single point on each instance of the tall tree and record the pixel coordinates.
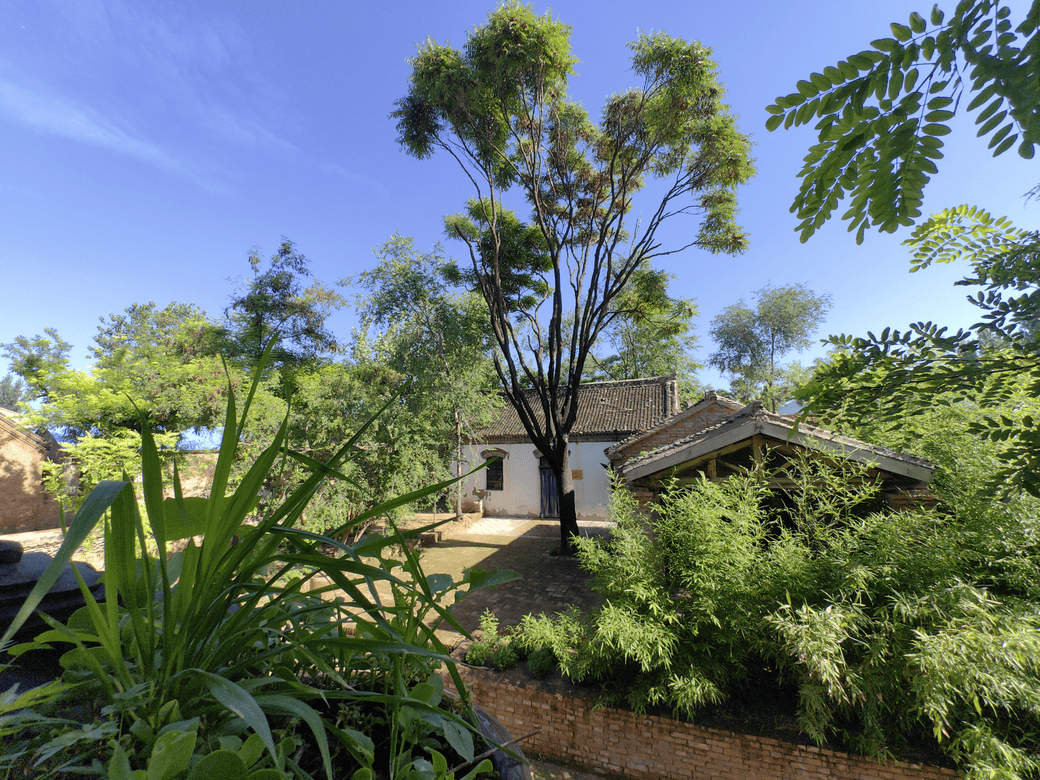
(650, 334)
(751, 342)
(881, 117)
(436, 337)
(499, 107)
(275, 301)
(12, 392)
(164, 359)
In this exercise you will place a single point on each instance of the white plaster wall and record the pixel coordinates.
(521, 494)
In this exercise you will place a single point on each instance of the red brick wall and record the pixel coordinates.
(24, 506)
(649, 747)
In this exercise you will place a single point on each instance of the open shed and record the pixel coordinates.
(746, 437)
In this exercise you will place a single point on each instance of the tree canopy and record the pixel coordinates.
(12, 392)
(434, 337)
(499, 107)
(164, 359)
(751, 342)
(651, 334)
(275, 301)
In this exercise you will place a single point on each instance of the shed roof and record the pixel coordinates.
(607, 411)
(752, 420)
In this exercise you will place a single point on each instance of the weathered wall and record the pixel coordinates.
(521, 491)
(648, 747)
(24, 506)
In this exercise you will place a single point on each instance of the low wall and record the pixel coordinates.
(651, 747)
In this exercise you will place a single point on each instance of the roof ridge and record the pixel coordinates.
(647, 380)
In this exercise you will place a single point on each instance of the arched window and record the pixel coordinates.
(494, 474)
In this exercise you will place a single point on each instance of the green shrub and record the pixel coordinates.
(213, 656)
(893, 626)
(492, 648)
(541, 662)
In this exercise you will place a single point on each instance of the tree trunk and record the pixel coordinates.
(458, 465)
(568, 507)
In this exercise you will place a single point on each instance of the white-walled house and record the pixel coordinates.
(522, 485)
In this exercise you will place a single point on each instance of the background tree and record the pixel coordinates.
(499, 107)
(436, 338)
(651, 334)
(12, 392)
(164, 359)
(879, 134)
(751, 342)
(275, 301)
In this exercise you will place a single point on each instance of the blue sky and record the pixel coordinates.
(147, 146)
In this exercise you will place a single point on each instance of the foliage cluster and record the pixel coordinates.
(417, 325)
(12, 391)
(176, 363)
(883, 112)
(651, 334)
(887, 627)
(213, 662)
(491, 648)
(994, 364)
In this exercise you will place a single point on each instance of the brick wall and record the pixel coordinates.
(649, 747)
(24, 506)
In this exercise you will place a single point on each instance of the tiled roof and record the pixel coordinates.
(607, 411)
(753, 418)
(9, 426)
(710, 398)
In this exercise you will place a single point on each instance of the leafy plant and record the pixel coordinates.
(213, 661)
(492, 647)
(884, 111)
(892, 627)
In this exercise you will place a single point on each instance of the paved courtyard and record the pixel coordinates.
(547, 582)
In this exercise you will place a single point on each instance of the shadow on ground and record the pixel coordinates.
(547, 583)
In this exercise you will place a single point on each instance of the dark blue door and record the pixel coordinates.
(550, 506)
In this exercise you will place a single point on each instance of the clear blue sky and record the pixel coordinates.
(147, 146)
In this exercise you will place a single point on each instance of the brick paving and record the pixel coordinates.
(547, 583)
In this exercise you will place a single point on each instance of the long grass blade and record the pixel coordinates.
(92, 510)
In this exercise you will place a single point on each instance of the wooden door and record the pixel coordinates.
(550, 506)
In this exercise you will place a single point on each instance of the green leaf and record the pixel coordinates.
(460, 738)
(917, 23)
(935, 129)
(991, 123)
(806, 89)
(1006, 144)
(171, 754)
(820, 81)
(219, 765)
(901, 31)
(774, 122)
(287, 705)
(861, 62)
(1026, 150)
(241, 703)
